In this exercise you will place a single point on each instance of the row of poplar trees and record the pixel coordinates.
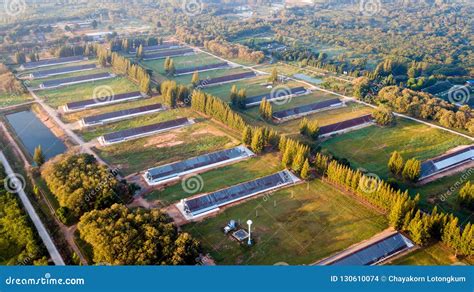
(400, 208)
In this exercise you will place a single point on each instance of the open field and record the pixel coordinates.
(433, 255)
(60, 96)
(370, 148)
(141, 154)
(13, 99)
(298, 225)
(222, 177)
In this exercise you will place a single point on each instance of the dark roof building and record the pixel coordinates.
(226, 79)
(213, 201)
(307, 109)
(189, 70)
(52, 62)
(168, 53)
(121, 115)
(446, 162)
(277, 95)
(95, 102)
(60, 71)
(75, 80)
(157, 47)
(139, 132)
(345, 126)
(376, 252)
(176, 170)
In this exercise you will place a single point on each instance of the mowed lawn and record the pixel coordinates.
(370, 147)
(297, 225)
(434, 255)
(138, 155)
(222, 177)
(60, 96)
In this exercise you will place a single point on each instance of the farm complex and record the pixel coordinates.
(242, 152)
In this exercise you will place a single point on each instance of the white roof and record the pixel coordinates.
(455, 159)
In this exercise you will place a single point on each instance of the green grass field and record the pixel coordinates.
(60, 96)
(444, 193)
(222, 177)
(370, 147)
(13, 99)
(298, 225)
(138, 155)
(433, 255)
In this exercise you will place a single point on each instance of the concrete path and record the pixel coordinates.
(43, 233)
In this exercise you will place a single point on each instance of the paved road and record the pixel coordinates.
(43, 233)
(66, 128)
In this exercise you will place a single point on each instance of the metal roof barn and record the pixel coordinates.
(168, 53)
(376, 252)
(446, 162)
(226, 79)
(75, 80)
(307, 109)
(60, 71)
(257, 99)
(52, 62)
(139, 132)
(189, 70)
(176, 170)
(345, 125)
(212, 201)
(96, 102)
(121, 115)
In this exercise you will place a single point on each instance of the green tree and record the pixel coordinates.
(121, 236)
(273, 76)
(257, 143)
(383, 116)
(234, 96)
(395, 163)
(466, 195)
(305, 170)
(195, 79)
(247, 136)
(38, 156)
(20, 58)
(412, 170)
